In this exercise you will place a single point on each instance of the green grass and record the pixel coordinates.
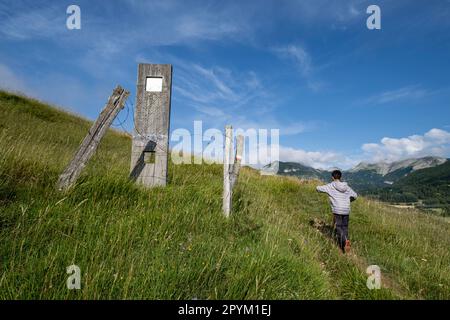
(174, 242)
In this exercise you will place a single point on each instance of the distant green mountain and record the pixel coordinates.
(301, 171)
(424, 181)
(365, 177)
(429, 187)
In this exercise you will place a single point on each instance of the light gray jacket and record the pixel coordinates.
(339, 193)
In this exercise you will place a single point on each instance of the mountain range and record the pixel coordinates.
(385, 168)
(423, 181)
(365, 176)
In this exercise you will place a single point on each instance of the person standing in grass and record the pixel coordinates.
(340, 195)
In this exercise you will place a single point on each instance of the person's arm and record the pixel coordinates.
(323, 188)
(353, 195)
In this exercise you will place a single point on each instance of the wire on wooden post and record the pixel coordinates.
(91, 141)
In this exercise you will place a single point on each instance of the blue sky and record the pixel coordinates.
(338, 92)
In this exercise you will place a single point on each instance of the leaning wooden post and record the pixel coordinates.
(91, 141)
(227, 193)
(238, 159)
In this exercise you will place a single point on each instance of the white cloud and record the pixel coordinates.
(325, 13)
(296, 128)
(27, 23)
(212, 111)
(220, 94)
(216, 76)
(299, 55)
(205, 27)
(183, 23)
(353, 11)
(177, 21)
(10, 81)
(435, 142)
(438, 135)
(405, 93)
(302, 60)
(316, 159)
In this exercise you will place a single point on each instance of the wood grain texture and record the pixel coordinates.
(152, 124)
(90, 143)
(227, 192)
(238, 159)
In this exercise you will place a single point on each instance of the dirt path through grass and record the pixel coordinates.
(359, 261)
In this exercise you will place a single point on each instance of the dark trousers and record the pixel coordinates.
(341, 229)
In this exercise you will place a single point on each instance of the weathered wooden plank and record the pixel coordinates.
(238, 160)
(227, 192)
(90, 143)
(149, 155)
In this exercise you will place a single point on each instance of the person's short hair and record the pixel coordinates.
(336, 174)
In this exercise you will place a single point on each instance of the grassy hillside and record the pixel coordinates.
(430, 186)
(174, 243)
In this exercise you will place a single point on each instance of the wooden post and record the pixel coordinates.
(227, 192)
(238, 160)
(149, 154)
(91, 141)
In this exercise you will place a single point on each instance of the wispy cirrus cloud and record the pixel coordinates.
(26, 22)
(298, 55)
(285, 128)
(292, 129)
(210, 84)
(219, 96)
(184, 22)
(156, 23)
(215, 76)
(407, 93)
(212, 111)
(302, 61)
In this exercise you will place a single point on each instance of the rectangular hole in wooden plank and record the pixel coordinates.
(149, 156)
(153, 84)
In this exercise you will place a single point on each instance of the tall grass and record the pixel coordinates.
(174, 242)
